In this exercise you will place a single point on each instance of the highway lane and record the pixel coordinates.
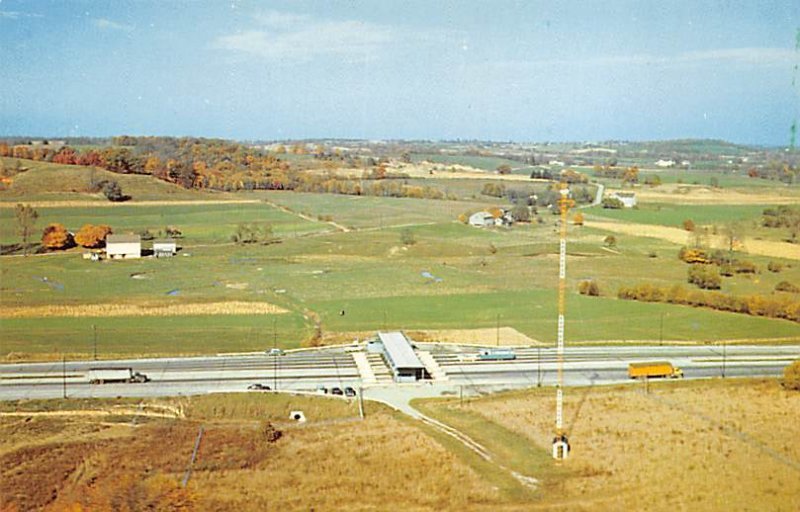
(305, 370)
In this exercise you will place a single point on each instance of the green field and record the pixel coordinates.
(450, 276)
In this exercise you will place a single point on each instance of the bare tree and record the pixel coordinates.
(26, 220)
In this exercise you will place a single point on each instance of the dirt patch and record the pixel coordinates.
(681, 237)
(115, 310)
(508, 337)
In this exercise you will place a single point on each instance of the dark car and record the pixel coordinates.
(348, 391)
(337, 391)
(259, 387)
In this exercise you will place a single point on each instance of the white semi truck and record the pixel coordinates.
(111, 375)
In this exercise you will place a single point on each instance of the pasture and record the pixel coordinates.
(383, 263)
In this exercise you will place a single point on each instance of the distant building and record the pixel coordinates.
(628, 199)
(164, 248)
(401, 357)
(481, 219)
(665, 163)
(123, 246)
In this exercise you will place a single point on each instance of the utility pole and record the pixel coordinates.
(538, 367)
(64, 374)
(498, 330)
(661, 331)
(94, 335)
(274, 354)
(560, 443)
(724, 354)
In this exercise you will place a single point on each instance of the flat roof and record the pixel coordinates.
(399, 350)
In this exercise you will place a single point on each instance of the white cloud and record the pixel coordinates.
(106, 24)
(281, 36)
(15, 15)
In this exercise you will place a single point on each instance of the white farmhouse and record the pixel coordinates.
(628, 199)
(123, 246)
(481, 219)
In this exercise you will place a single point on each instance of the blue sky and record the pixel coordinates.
(523, 71)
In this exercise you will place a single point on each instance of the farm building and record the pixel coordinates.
(401, 357)
(164, 248)
(628, 199)
(481, 219)
(123, 246)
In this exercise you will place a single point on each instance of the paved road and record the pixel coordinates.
(335, 367)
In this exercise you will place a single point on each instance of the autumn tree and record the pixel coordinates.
(91, 236)
(26, 217)
(55, 236)
(504, 169)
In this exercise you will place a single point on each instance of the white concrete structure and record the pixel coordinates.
(666, 163)
(123, 246)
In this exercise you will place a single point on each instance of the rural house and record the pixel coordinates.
(164, 248)
(123, 246)
(628, 199)
(481, 219)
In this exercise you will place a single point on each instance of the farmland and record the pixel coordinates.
(353, 264)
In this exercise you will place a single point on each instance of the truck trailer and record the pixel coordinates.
(496, 354)
(654, 369)
(112, 375)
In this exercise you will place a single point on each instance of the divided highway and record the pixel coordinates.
(458, 368)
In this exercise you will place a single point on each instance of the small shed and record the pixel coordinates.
(123, 246)
(165, 248)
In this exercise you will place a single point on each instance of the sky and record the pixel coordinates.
(526, 71)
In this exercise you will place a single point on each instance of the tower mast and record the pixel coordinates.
(560, 443)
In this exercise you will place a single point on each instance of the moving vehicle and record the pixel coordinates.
(112, 375)
(496, 354)
(654, 369)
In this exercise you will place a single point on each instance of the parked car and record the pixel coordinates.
(348, 391)
(274, 352)
(259, 387)
(322, 390)
(337, 391)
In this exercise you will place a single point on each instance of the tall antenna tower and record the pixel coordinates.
(560, 442)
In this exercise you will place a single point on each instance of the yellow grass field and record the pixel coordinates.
(681, 236)
(116, 310)
(695, 194)
(707, 445)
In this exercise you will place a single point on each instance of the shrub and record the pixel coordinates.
(610, 241)
(774, 266)
(688, 225)
(791, 376)
(786, 286)
(612, 203)
(694, 255)
(745, 267)
(705, 277)
(589, 287)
